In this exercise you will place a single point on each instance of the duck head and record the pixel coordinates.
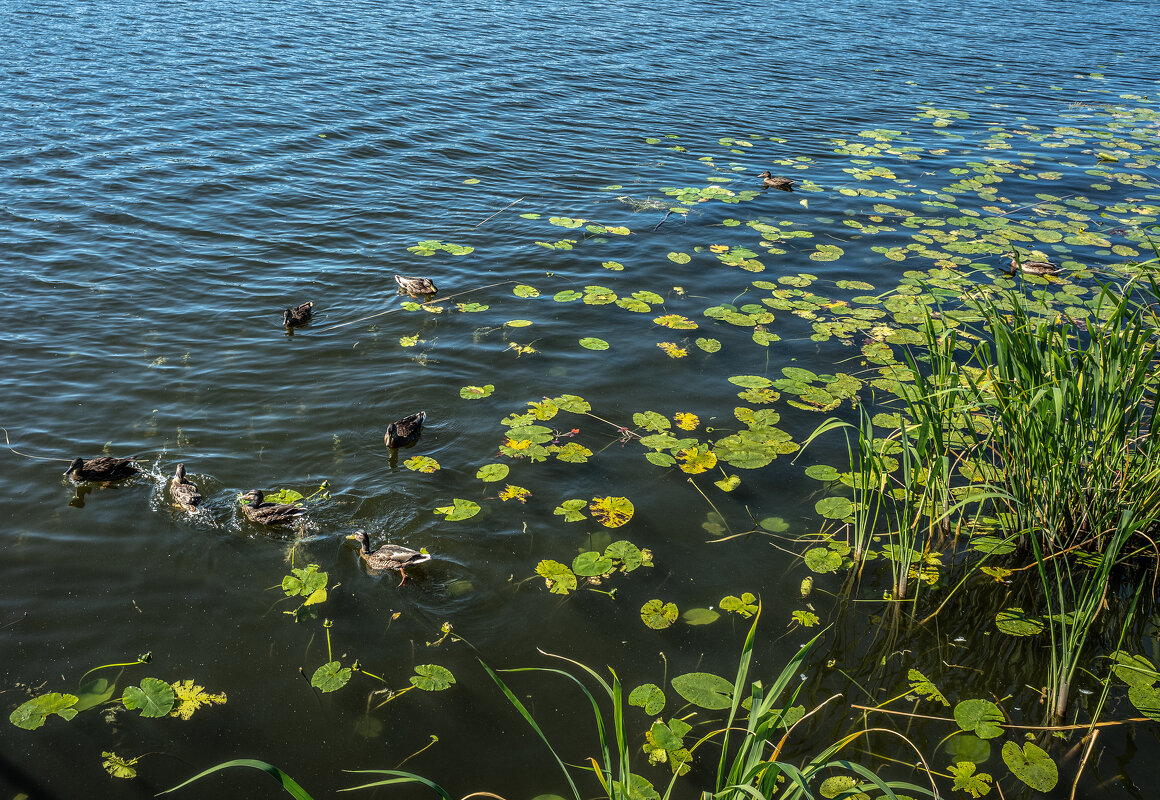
(363, 539)
(78, 463)
(255, 496)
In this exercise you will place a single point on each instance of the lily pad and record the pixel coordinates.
(571, 510)
(834, 507)
(591, 564)
(704, 689)
(31, 714)
(700, 616)
(1017, 622)
(489, 473)
(648, 696)
(611, 512)
(981, 717)
(330, 677)
(476, 392)
(593, 343)
(459, 510)
(658, 615)
(154, 697)
(1031, 765)
(557, 576)
(424, 464)
(432, 678)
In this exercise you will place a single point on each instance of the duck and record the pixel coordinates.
(265, 513)
(184, 491)
(104, 468)
(1032, 267)
(299, 315)
(769, 181)
(415, 285)
(389, 556)
(405, 432)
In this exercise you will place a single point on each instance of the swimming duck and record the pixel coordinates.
(389, 556)
(299, 315)
(785, 184)
(405, 432)
(415, 285)
(184, 491)
(269, 513)
(105, 468)
(1032, 267)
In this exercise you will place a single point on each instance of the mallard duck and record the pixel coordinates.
(184, 491)
(265, 513)
(299, 315)
(405, 432)
(389, 556)
(105, 468)
(785, 184)
(1032, 267)
(415, 285)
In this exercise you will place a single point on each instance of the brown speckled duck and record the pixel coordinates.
(415, 285)
(389, 556)
(184, 491)
(265, 513)
(405, 432)
(1032, 267)
(299, 315)
(770, 182)
(105, 468)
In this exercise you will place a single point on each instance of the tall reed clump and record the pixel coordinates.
(1048, 425)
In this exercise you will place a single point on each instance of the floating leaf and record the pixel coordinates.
(924, 687)
(1134, 670)
(459, 510)
(980, 717)
(834, 507)
(571, 510)
(424, 464)
(489, 473)
(696, 461)
(93, 693)
(774, 524)
(676, 322)
(615, 266)
(518, 323)
(154, 697)
(514, 493)
(708, 345)
(686, 421)
(745, 605)
(306, 582)
(649, 697)
(593, 343)
(728, 483)
(680, 258)
(967, 780)
(591, 564)
(476, 392)
(559, 578)
(330, 677)
(651, 421)
(191, 697)
(823, 559)
(572, 452)
(523, 290)
(751, 381)
(1016, 622)
(807, 619)
(1031, 765)
(700, 616)
(1146, 699)
(119, 767)
(629, 555)
(611, 512)
(31, 714)
(658, 615)
(432, 678)
(672, 350)
(704, 689)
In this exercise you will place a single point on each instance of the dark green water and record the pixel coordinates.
(172, 177)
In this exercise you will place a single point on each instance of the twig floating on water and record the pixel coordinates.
(496, 214)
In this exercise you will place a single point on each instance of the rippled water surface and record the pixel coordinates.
(173, 175)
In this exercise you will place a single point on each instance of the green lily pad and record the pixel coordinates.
(1146, 699)
(559, 578)
(432, 678)
(459, 510)
(1134, 670)
(571, 510)
(1031, 765)
(611, 512)
(658, 615)
(424, 464)
(593, 343)
(834, 507)
(591, 564)
(490, 473)
(700, 616)
(476, 392)
(154, 697)
(704, 689)
(31, 714)
(823, 559)
(628, 554)
(649, 697)
(330, 677)
(680, 258)
(1016, 622)
(981, 717)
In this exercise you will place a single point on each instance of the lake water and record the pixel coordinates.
(173, 176)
